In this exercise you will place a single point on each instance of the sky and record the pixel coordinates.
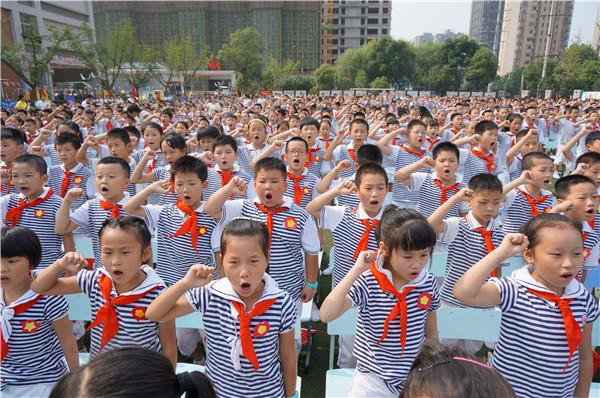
(411, 18)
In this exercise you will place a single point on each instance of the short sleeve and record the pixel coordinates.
(86, 280)
(152, 215)
(4, 206)
(450, 229)
(416, 181)
(55, 308)
(231, 209)
(463, 153)
(359, 292)
(435, 296)
(592, 309)
(310, 237)
(510, 198)
(331, 216)
(198, 298)
(80, 216)
(288, 315)
(509, 292)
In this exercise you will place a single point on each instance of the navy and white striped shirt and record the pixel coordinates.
(518, 210)
(430, 195)
(247, 152)
(402, 158)
(342, 152)
(81, 177)
(32, 341)
(474, 165)
(229, 370)
(308, 187)
(532, 349)
(215, 182)
(316, 166)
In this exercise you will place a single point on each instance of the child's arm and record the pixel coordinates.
(524, 178)
(460, 141)
(41, 139)
(214, 205)
(339, 138)
(566, 149)
(472, 288)
(384, 143)
(168, 340)
(49, 283)
(513, 150)
(138, 176)
(274, 147)
(81, 156)
(283, 135)
(314, 206)
(337, 302)
(63, 224)
(64, 332)
(375, 129)
(586, 363)
(431, 328)
(403, 174)
(135, 204)
(437, 218)
(171, 304)
(328, 178)
(289, 362)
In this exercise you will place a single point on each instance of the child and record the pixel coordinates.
(456, 122)
(35, 329)
(481, 159)
(394, 284)
(152, 133)
(476, 234)
(292, 230)
(544, 349)
(44, 144)
(206, 138)
(35, 206)
(526, 142)
(325, 133)
(527, 197)
(309, 129)
(111, 182)
(257, 136)
(225, 154)
(119, 292)
(434, 189)
(592, 144)
(69, 173)
(11, 146)
(359, 130)
(303, 183)
(249, 320)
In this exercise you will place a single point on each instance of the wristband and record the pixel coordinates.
(295, 395)
(313, 285)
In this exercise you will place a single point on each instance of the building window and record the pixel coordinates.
(29, 24)
(362, 11)
(384, 31)
(386, 10)
(344, 11)
(343, 21)
(371, 31)
(334, 51)
(342, 31)
(342, 42)
(335, 21)
(362, 32)
(384, 21)
(336, 10)
(372, 21)
(335, 31)
(373, 10)
(335, 41)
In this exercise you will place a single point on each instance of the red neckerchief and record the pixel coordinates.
(189, 225)
(418, 154)
(152, 166)
(18, 309)
(351, 153)
(14, 215)
(226, 176)
(490, 165)
(115, 209)
(297, 188)
(326, 141)
(532, 201)
(311, 156)
(270, 214)
(363, 243)
(489, 243)
(444, 190)
(65, 183)
(432, 142)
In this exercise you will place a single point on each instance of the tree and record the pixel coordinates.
(361, 79)
(511, 82)
(380, 82)
(244, 54)
(481, 69)
(170, 60)
(576, 69)
(190, 62)
(324, 78)
(143, 64)
(276, 75)
(533, 77)
(427, 62)
(394, 59)
(348, 65)
(31, 58)
(298, 83)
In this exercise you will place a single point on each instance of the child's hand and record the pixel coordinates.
(74, 194)
(198, 275)
(427, 162)
(206, 157)
(465, 194)
(237, 187)
(563, 206)
(340, 135)
(5, 173)
(505, 123)
(149, 154)
(35, 149)
(295, 131)
(581, 168)
(526, 177)
(344, 165)
(277, 145)
(364, 260)
(347, 188)
(89, 141)
(161, 186)
(513, 244)
(532, 133)
(72, 263)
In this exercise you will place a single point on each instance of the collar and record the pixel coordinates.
(543, 192)
(287, 201)
(523, 277)
(476, 148)
(457, 178)
(152, 280)
(222, 288)
(304, 171)
(418, 281)
(120, 202)
(474, 224)
(198, 209)
(44, 192)
(362, 215)
(236, 168)
(28, 296)
(75, 169)
(586, 227)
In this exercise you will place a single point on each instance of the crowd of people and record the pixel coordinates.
(223, 205)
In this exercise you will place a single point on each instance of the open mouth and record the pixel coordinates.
(245, 287)
(547, 181)
(374, 202)
(296, 161)
(187, 197)
(446, 170)
(566, 276)
(104, 189)
(413, 275)
(256, 138)
(4, 278)
(117, 273)
(492, 144)
(269, 196)
(590, 212)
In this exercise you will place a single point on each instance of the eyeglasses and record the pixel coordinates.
(455, 359)
(420, 132)
(294, 152)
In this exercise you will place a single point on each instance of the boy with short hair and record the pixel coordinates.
(303, 183)
(481, 158)
(359, 130)
(456, 122)
(12, 143)
(592, 144)
(309, 130)
(225, 154)
(526, 142)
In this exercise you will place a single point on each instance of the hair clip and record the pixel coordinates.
(463, 359)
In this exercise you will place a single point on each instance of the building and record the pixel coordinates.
(352, 24)
(37, 16)
(486, 23)
(596, 39)
(289, 29)
(526, 26)
(423, 38)
(447, 35)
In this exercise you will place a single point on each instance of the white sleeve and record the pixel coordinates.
(463, 153)
(592, 260)
(331, 216)
(450, 229)
(510, 198)
(250, 193)
(4, 207)
(310, 237)
(336, 153)
(231, 209)
(315, 193)
(80, 216)
(416, 181)
(152, 214)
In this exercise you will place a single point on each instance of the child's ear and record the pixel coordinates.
(558, 201)
(528, 256)
(383, 249)
(147, 255)
(44, 179)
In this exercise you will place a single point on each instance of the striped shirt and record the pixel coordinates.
(229, 370)
(175, 255)
(131, 187)
(315, 166)
(215, 181)
(134, 330)
(385, 359)
(518, 210)
(532, 349)
(430, 194)
(346, 152)
(294, 231)
(50, 149)
(164, 173)
(308, 187)
(32, 341)
(515, 168)
(347, 229)
(81, 177)
(247, 152)
(402, 158)
(41, 220)
(591, 247)
(474, 165)
(461, 235)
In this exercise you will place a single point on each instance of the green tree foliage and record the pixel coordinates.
(244, 54)
(190, 62)
(143, 64)
(348, 65)
(393, 59)
(511, 82)
(427, 68)
(533, 77)
(276, 75)
(578, 69)
(298, 83)
(325, 78)
(360, 81)
(170, 60)
(380, 82)
(481, 69)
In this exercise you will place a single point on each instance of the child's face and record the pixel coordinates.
(245, 264)
(206, 144)
(585, 202)
(230, 122)
(324, 130)
(594, 146)
(446, 165)
(309, 133)
(593, 117)
(531, 114)
(134, 139)
(542, 172)
(118, 148)
(257, 133)
(371, 192)
(502, 112)
(14, 272)
(358, 132)
(515, 124)
(202, 123)
(294, 123)
(66, 152)
(416, 136)
(593, 172)
(296, 155)
(152, 138)
(225, 157)
(457, 122)
(406, 265)
(28, 180)
(122, 255)
(111, 180)
(433, 132)
(557, 257)
(171, 155)
(9, 150)
(165, 119)
(29, 127)
(489, 139)
(181, 130)
(189, 188)
(489, 116)
(270, 185)
(530, 145)
(485, 205)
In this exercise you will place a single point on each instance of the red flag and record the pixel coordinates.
(133, 92)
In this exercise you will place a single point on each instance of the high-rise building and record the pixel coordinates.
(423, 38)
(486, 23)
(447, 35)
(596, 39)
(352, 24)
(526, 28)
(289, 29)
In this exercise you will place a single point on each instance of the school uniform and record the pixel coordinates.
(532, 351)
(465, 235)
(7, 186)
(302, 188)
(39, 216)
(232, 373)
(520, 206)
(515, 169)
(591, 247)
(540, 126)
(432, 193)
(61, 181)
(449, 133)
(293, 231)
(404, 156)
(131, 189)
(177, 250)
(52, 153)
(217, 179)
(164, 174)
(566, 131)
(247, 152)
(315, 164)
(130, 308)
(27, 329)
(346, 152)
(476, 162)
(385, 359)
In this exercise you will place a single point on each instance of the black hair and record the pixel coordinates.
(118, 161)
(281, 124)
(589, 158)
(133, 224)
(230, 115)
(562, 187)
(391, 120)
(189, 164)
(405, 229)
(268, 164)
(185, 124)
(174, 141)
(224, 140)
(521, 133)
(10, 133)
(74, 128)
(68, 139)
(485, 182)
(369, 153)
(133, 109)
(359, 121)
(591, 137)
(20, 242)
(514, 116)
(244, 227)
(370, 168)
(445, 147)
(133, 130)
(413, 123)
(167, 112)
(119, 134)
(485, 125)
(132, 372)
(207, 132)
(309, 121)
(456, 114)
(35, 161)
(528, 161)
(532, 228)
(153, 125)
(296, 139)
